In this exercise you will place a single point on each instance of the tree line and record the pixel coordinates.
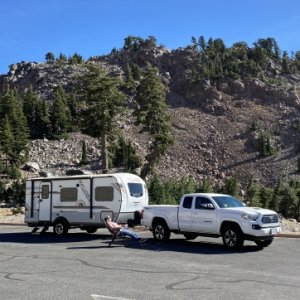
(284, 198)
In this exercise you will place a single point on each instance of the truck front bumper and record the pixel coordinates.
(255, 232)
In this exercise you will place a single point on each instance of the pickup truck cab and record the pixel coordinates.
(213, 215)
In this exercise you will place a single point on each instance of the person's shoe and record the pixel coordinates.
(142, 241)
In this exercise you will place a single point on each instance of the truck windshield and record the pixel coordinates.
(135, 189)
(227, 201)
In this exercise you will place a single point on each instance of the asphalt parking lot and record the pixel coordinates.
(82, 266)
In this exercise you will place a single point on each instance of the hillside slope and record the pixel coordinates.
(212, 121)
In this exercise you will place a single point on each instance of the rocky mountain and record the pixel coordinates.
(217, 124)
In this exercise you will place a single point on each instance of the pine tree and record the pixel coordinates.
(285, 63)
(277, 196)
(7, 140)
(16, 124)
(37, 119)
(252, 194)
(103, 101)
(152, 114)
(49, 57)
(84, 158)
(205, 186)
(60, 114)
(265, 195)
(232, 186)
(130, 83)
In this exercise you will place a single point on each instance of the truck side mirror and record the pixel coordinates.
(210, 206)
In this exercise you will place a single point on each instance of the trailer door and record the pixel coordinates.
(45, 202)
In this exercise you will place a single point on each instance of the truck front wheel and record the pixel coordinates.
(232, 237)
(161, 231)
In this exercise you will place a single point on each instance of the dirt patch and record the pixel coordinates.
(8, 216)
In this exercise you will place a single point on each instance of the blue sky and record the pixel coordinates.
(31, 28)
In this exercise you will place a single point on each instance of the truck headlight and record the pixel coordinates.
(249, 217)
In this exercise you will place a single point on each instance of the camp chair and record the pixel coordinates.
(115, 234)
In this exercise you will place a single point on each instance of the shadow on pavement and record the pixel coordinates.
(173, 245)
(177, 245)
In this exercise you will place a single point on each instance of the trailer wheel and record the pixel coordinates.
(161, 231)
(232, 237)
(91, 229)
(60, 227)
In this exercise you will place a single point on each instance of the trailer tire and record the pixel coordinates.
(161, 231)
(91, 229)
(60, 227)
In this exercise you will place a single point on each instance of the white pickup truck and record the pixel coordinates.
(213, 215)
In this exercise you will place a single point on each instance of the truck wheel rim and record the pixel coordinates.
(230, 238)
(159, 232)
(59, 228)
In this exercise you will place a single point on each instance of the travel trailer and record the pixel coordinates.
(84, 201)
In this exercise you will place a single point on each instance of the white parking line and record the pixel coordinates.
(94, 296)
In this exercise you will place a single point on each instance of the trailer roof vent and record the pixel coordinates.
(45, 174)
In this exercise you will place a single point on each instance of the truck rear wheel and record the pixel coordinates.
(60, 227)
(190, 236)
(232, 237)
(161, 231)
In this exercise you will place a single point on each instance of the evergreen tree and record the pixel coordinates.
(252, 194)
(37, 119)
(130, 83)
(103, 101)
(202, 43)
(156, 190)
(285, 63)
(265, 195)
(7, 140)
(60, 114)
(75, 59)
(73, 111)
(152, 114)
(136, 72)
(15, 125)
(288, 203)
(205, 186)
(84, 158)
(277, 196)
(232, 187)
(49, 57)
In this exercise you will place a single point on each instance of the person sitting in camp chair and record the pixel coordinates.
(116, 229)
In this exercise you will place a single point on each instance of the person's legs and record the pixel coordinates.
(130, 233)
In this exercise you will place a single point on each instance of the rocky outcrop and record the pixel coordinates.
(210, 120)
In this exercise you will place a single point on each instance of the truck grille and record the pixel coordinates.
(269, 219)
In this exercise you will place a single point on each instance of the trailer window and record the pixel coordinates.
(135, 189)
(104, 193)
(45, 191)
(68, 194)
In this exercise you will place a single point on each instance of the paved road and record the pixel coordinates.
(81, 266)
